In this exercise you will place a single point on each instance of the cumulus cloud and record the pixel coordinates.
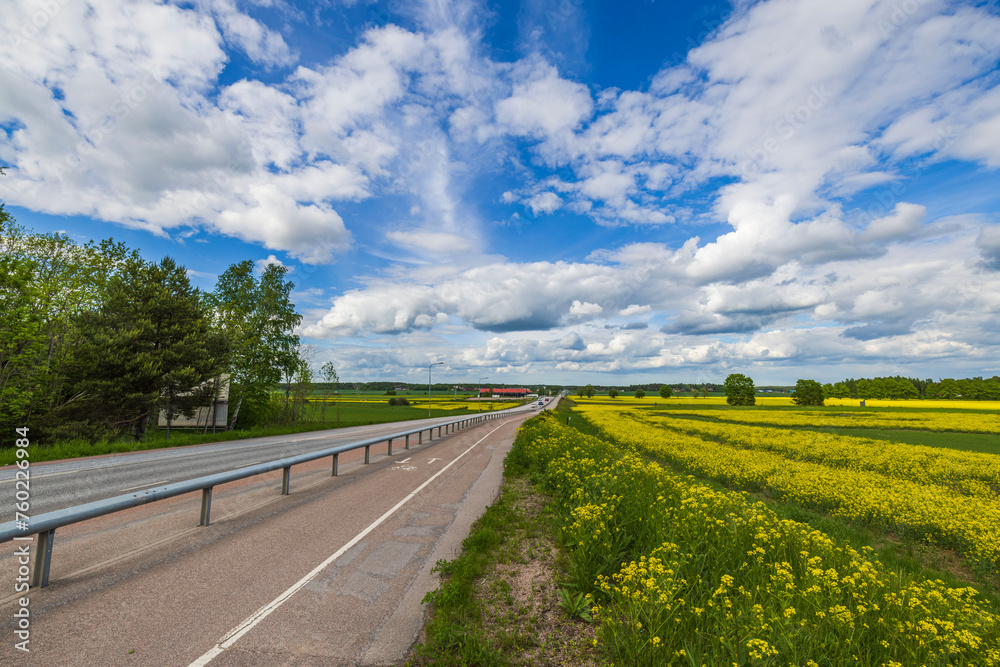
(544, 202)
(543, 104)
(634, 309)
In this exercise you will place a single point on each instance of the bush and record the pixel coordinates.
(398, 401)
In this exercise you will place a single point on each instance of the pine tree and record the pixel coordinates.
(147, 348)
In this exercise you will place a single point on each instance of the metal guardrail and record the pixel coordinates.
(44, 525)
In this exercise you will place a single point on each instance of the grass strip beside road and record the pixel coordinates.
(499, 602)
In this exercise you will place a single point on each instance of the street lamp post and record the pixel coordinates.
(479, 395)
(436, 363)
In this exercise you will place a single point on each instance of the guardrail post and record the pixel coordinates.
(407, 444)
(206, 506)
(420, 437)
(286, 480)
(335, 457)
(43, 559)
(390, 446)
(367, 448)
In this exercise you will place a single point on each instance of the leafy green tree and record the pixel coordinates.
(148, 347)
(613, 393)
(807, 392)
(257, 317)
(46, 281)
(581, 391)
(303, 383)
(329, 374)
(949, 388)
(865, 389)
(20, 345)
(589, 390)
(900, 387)
(740, 390)
(840, 390)
(666, 391)
(640, 393)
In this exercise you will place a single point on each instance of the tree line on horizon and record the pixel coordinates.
(96, 342)
(740, 389)
(899, 387)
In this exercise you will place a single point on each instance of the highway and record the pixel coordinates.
(59, 484)
(332, 574)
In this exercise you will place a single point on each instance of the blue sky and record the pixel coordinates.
(552, 191)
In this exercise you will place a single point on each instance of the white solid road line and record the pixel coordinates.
(247, 625)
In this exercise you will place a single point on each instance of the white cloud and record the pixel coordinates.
(310, 232)
(633, 310)
(262, 264)
(544, 202)
(542, 103)
(261, 44)
(430, 241)
(582, 308)
(905, 219)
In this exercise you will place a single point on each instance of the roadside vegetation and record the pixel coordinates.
(506, 599)
(683, 553)
(97, 342)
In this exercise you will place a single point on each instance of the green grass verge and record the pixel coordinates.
(456, 634)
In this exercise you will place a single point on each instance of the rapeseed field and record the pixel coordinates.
(938, 495)
(681, 574)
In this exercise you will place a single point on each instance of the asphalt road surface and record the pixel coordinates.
(332, 574)
(59, 484)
